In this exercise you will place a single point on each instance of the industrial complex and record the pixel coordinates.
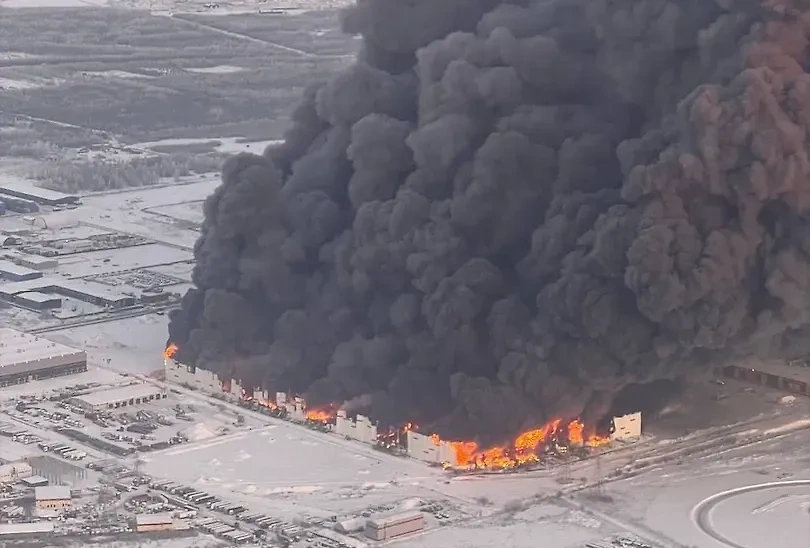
(101, 438)
(25, 357)
(428, 448)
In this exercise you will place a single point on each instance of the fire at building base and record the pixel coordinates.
(557, 437)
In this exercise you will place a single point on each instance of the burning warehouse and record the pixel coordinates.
(556, 437)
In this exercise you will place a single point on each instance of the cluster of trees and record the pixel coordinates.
(97, 175)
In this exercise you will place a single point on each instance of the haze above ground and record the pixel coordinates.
(103, 101)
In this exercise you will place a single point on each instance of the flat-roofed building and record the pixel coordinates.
(28, 191)
(25, 357)
(781, 376)
(116, 398)
(36, 262)
(35, 481)
(147, 523)
(16, 273)
(37, 300)
(53, 498)
(395, 526)
(89, 292)
(19, 530)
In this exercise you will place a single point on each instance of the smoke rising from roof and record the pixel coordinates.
(510, 210)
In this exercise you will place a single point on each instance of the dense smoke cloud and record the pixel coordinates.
(509, 210)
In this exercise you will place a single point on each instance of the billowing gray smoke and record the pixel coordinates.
(508, 210)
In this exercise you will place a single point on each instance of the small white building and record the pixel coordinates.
(626, 427)
(398, 525)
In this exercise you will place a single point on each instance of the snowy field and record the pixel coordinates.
(124, 211)
(133, 345)
(53, 3)
(664, 500)
(162, 5)
(227, 145)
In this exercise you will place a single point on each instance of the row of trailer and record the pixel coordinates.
(63, 450)
(225, 531)
(197, 498)
(191, 498)
(285, 530)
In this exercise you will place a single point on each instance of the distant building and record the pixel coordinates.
(116, 398)
(35, 481)
(147, 523)
(16, 273)
(626, 427)
(395, 526)
(20, 530)
(37, 301)
(15, 471)
(790, 378)
(36, 194)
(93, 293)
(36, 262)
(52, 498)
(25, 357)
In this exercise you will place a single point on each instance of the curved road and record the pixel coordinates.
(701, 513)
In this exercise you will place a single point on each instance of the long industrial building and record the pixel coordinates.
(426, 448)
(36, 194)
(116, 398)
(781, 376)
(89, 292)
(25, 357)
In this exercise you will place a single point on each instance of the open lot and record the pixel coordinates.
(127, 98)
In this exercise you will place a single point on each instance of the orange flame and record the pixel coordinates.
(170, 351)
(526, 448)
(320, 415)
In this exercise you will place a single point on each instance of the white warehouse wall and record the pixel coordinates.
(627, 427)
(360, 429)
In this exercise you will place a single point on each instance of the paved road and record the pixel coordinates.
(702, 512)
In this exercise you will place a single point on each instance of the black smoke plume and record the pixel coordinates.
(506, 211)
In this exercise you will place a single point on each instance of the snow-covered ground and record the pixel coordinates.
(664, 499)
(133, 345)
(218, 69)
(53, 3)
(226, 145)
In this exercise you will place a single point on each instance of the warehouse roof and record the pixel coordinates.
(31, 192)
(35, 481)
(17, 347)
(53, 285)
(795, 372)
(37, 297)
(387, 521)
(8, 267)
(121, 393)
(153, 519)
(52, 492)
(26, 528)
